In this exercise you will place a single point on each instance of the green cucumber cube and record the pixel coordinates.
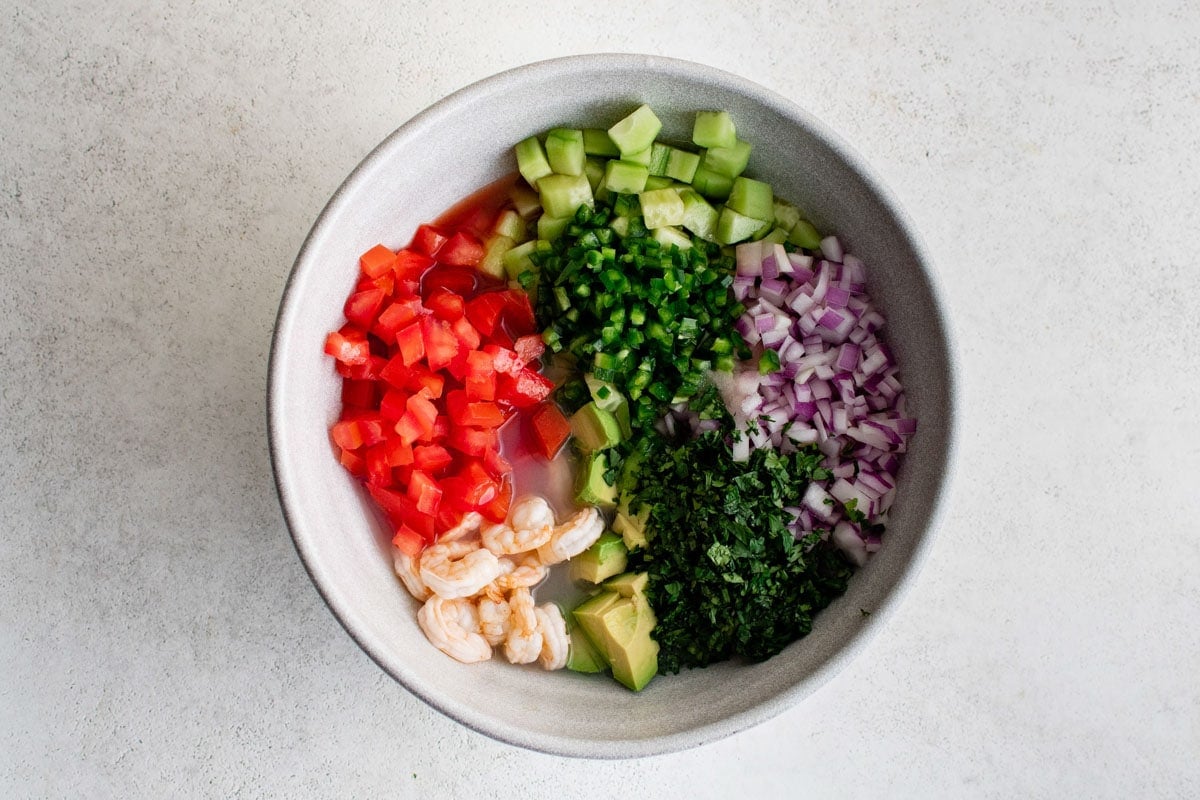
(620, 226)
(636, 132)
(659, 155)
(510, 224)
(562, 195)
(493, 255)
(596, 142)
(640, 157)
(728, 161)
(711, 184)
(786, 214)
(752, 198)
(525, 200)
(623, 177)
(564, 150)
(763, 229)
(657, 182)
(661, 208)
(714, 129)
(550, 228)
(681, 165)
(776, 236)
(698, 216)
(594, 169)
(668, 237)
(733, 227)
(804, 235)
(531, 160)
(517, 260)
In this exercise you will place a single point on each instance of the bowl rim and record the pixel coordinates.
(583, 747)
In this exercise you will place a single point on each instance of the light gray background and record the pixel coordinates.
(160, 165)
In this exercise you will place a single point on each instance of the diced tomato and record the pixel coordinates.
(504, 361)
(409, 428)
(445, 304)
(398, 453)
(370, 429)
(393, 405)
(526, 389)
(414, 378)
(411, 265)
(360, 394)
(497, 465)
(353, 463)
(432, 458)
(484, 311)
(376, 261)
(400, 510)
(441, 345)
(467, 336)
(428, 240)
(346, 435)
(529, 348)
(409, 541)
(473, 441)
(411, 343)
(362, 307)
(455, 279)
(379, 471)
(348, 350)
(479, 414)
(385, 283)
(497, 509)
(425, 492)
(479, 381)
(396, 316)
(425, 412)
(367, 371)
(461, 250)
(480, 221)
(470, 488)
(519, 311)
(549, 429)
(441, 427)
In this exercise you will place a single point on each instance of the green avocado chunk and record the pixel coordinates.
(628, 584)
(605, 558)
(593, 489)
(632, 527)
(620, 628)
(594, 428)
(582, 655)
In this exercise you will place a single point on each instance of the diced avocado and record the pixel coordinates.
(564, 150)
(728, 161)
(590, 616)
(661, 208)
(593, 489)
(625, 177)
(609, 398)
(631, 651)
(627, 481)
(636, 131)
(550, 228)
(698, 216)
(627, 584)
(493, 255)
(594, 169)
(632, 527)
(711, 184)
(510, 224)
(562, 195)
(752, 198)
(596, 142)
(681, 165)
(604, 559)
(582, 655)
(659, 155)
(594, 428)
(531, 160)
(714, 129)
(805, 235)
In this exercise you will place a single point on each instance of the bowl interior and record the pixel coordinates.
(448, 151)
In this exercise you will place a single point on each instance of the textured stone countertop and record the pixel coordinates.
(160, 165)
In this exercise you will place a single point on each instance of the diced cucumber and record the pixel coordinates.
(510, 224)
(728, 161)
(596, 142)
(711, 184)
(562, 195)
(635, 132)
(493, 255)
(786, 214)
(714, 129)
(672, 236)
(654, 182)
(564, 150)
(640, 157)
(733, 227)
(752, 198)
(594, 169)
(698, 216)
(517, 260)
(661, 208)
(659, 155)
(804, 235)
(776, 236)
(550, 228)
(531, 160)
(763, 229)
(525, 200)
(681, 165)
(625, 178)
(620, 226)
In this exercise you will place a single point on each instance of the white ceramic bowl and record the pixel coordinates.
(446, 152)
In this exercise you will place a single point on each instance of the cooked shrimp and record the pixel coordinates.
(527, 573)
(458, 569)
(452, 626)
(556, 642)
(494, 617)
(531, 513)
(505, 541)
(523, 644)
(467, 525)
(573, 537)
(408, 569)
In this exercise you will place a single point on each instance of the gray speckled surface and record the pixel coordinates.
(159, 167)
